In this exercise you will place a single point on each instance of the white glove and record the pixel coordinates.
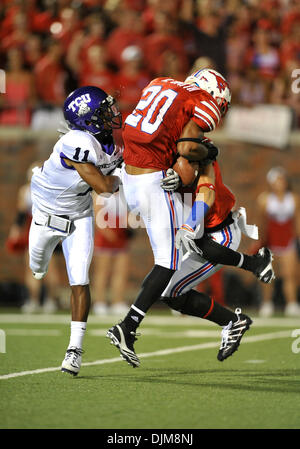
(186, 236)
(171, 182)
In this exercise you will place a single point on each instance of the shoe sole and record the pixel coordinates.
(235, 347)
(114, 341)
(65, 370)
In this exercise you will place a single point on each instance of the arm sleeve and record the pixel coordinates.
(80, 148)
(205, 112)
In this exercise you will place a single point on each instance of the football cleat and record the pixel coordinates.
(124, 340)
(232, 335)
(265, 271)
(72, 361)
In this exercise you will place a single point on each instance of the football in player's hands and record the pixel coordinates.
(187, 171)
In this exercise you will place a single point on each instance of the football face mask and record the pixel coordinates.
(107, 115)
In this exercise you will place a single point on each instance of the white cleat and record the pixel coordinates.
(72, 361)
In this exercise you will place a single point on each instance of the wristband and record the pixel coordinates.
(208, 185)
(197, 214)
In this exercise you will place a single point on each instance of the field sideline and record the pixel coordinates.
(179, 385)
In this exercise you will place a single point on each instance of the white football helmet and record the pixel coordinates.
(215, 84)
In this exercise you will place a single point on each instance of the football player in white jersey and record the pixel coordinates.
(82, 160)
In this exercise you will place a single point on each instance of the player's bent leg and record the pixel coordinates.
(42, 242)
(234, 324)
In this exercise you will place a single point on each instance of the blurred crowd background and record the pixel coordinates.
(50, 47)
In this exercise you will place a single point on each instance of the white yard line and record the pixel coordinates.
(251, 339)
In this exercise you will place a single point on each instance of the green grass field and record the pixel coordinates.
(179, 385)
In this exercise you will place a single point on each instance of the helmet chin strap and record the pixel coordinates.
(104, 136)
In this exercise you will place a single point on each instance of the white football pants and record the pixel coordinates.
(194, 269)
(77, 247)
(161, 212)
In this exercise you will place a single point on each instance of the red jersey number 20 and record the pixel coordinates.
(153, 98)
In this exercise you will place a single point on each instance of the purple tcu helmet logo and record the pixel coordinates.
(81, 104)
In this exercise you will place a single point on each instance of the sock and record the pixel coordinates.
(78, 329)
(201, 305)
(152, 287)
(219, 314)
(133, 318)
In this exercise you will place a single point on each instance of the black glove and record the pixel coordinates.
(212, 151)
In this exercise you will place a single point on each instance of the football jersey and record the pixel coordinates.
(57, 188)
(224, 201)
(150, 132)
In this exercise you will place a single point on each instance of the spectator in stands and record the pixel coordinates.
(165, 37)
(67, 25)
(131, 79)
(111, 258)
(50, 79)
(211, 38)
(33, 50)
(19, 33)
(95, 72)
(279, 209)
(263, 56)
(130, 31)
(94, 32)
(171, 66)
(253, 90)
(20, 96)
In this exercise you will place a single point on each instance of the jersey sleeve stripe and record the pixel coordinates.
(203, 119)
(205, 114)
(213, 108)
(208, 113)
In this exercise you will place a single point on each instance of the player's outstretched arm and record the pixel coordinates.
(94, 178)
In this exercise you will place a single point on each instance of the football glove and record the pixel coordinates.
(186, 236)
(171, 182)
(212, 151)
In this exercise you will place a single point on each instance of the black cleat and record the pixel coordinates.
(264, 272)
(232, 335)
(123, 339)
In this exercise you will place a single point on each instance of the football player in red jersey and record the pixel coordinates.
(212, 216)
(168, 110)
(171, 113)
